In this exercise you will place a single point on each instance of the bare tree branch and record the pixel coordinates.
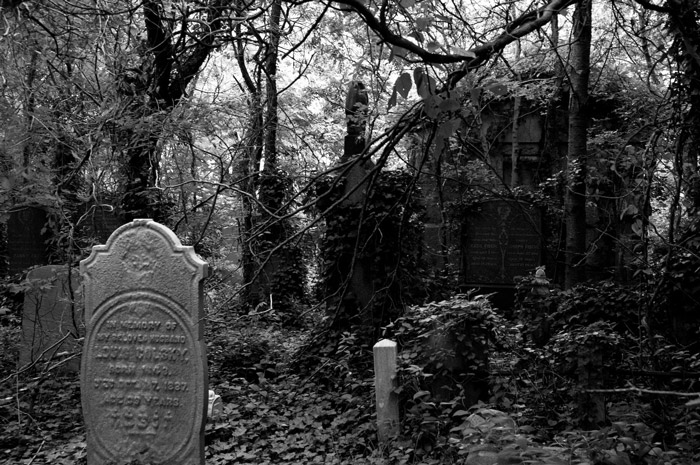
(474, 57)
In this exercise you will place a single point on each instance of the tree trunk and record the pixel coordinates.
(251, 154)
(173, 66)
(259, 171)
(515, 126)
(683, 16)
(271, 192)
(30, 102)
(271, 117)
(515, 145)
(247, 167)
(577, 157)
(551, 156)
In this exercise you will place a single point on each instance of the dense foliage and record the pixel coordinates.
(471, 384)
(225, 120)
(383, 236)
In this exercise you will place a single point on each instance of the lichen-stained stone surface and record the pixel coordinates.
(144, 374)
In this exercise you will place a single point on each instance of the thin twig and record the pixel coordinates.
(632, 388)
(37, 452)
(37, 359)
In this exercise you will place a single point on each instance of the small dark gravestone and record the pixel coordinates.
(52, 318)
(502, 240)
(144, 374)
(99, 222)
(26, 243)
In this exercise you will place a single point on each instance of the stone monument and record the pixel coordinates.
(26, 239)
(52, 318)
(144, 375)
(502, 240)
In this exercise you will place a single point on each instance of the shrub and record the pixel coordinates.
(443, 368)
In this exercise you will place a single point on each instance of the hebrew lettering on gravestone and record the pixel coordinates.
(502, 240)
(144, 374)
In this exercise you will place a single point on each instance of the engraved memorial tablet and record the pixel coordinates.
(502, 240)
(144, 375)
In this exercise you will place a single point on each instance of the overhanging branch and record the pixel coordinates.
(474, 57)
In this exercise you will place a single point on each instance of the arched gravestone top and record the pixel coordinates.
(144, 374)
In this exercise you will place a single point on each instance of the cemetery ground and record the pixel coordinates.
(294, 395)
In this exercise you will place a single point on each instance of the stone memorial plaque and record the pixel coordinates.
(26, 244)
(501, 241)
(52, 318)
(144, 374)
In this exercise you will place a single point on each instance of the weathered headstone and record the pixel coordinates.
(502, 240)
(144, 374)
(52, 317)
(26, 239)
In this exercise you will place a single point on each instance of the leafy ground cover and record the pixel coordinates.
(270, 414)
(301, 396)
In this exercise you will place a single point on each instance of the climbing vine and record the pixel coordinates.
(383, 235)
(280, 259)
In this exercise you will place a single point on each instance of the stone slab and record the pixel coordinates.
(52, 318)
(144, 374)
(99, 221)
(26, 241)
(501, 240)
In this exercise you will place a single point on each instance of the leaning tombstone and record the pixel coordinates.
(52, 319)
(144, 374)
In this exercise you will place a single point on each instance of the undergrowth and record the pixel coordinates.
(474, 387)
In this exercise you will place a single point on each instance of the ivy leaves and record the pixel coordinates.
(442, 107)
(446, 108)
(425, 87)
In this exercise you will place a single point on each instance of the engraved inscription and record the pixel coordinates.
(140, 421)
(140, 375)
(502, 242)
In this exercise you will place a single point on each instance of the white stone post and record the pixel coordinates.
(385, 383)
